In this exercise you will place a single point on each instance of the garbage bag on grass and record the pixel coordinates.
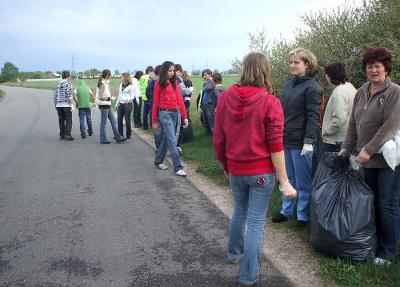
(324, 170)
(342, 214)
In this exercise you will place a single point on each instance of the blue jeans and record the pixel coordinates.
(85, 113)
(167, 121)
(147, 107)
(299, 169)
(250, 198)
(206, 114)
(124, 112)
(107, 113)
(385, 184)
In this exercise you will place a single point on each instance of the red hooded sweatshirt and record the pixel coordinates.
(248, 128)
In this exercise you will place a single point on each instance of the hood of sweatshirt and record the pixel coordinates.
(82, 83)
(241, 102)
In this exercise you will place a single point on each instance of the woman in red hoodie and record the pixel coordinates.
(167, 103)
(248, 141)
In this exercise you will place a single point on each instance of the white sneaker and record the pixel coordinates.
(161, 166)
(180, 150)
(380, 261)
(181, 172)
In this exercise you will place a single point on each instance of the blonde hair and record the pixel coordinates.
(256, 71)
(308, 58)
(127, 78)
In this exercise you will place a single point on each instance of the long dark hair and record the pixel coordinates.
(337, 73)
(103, 75)
(138, 75)
(164, 75)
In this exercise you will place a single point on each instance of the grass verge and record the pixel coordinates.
(2, 95)
(337, 271)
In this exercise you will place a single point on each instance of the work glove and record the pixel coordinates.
(287, 190)
(185, 123)
(307, 148)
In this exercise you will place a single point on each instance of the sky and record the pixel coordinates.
(45, 35)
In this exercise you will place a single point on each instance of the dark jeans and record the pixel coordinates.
(85, 113)
(180, 138)
(124, 112)
(147, 107)
(187, 107)
(65, 121)
(385, 184)
(137, 110)
(206, 113)
(316, 153)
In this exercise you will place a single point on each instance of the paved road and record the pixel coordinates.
(84, 214)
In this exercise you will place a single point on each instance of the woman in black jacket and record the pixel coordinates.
(301, 99)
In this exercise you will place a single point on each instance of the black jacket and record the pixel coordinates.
(301, 99)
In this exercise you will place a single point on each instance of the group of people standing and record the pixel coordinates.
(259, 140)
(165, 96)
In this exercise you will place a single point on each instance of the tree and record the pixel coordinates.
(336, 35)
(9, 72)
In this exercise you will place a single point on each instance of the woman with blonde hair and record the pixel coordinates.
(248, 142)
(128, 92)
(301, 99)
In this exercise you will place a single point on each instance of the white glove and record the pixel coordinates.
(287, 190)
(307, 148)
(185, 123)
(191, 89)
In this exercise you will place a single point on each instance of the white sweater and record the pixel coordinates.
(130, 92)
(337, 113)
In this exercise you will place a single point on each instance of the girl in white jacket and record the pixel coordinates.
(128, 92)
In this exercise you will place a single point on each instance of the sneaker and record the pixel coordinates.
(128, 137)
(62, 138)
(69, 138)
(121, 140)
(181, 172)
(106, 142)
(90, 133)
(161, 166)
(380, 261)
(83, 135)
(180, 150)
(279, 218)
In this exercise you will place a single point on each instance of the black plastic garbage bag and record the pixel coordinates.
(342, 214)
(324, 168)
(187, 133)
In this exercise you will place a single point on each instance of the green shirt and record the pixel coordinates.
(143, 82)
(83, 93)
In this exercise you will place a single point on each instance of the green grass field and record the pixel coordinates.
(2, 94)
(201, 153)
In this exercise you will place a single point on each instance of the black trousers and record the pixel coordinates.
(65, 121)
(137, 111)
(124, 112)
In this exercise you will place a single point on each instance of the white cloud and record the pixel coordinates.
(126, 34)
